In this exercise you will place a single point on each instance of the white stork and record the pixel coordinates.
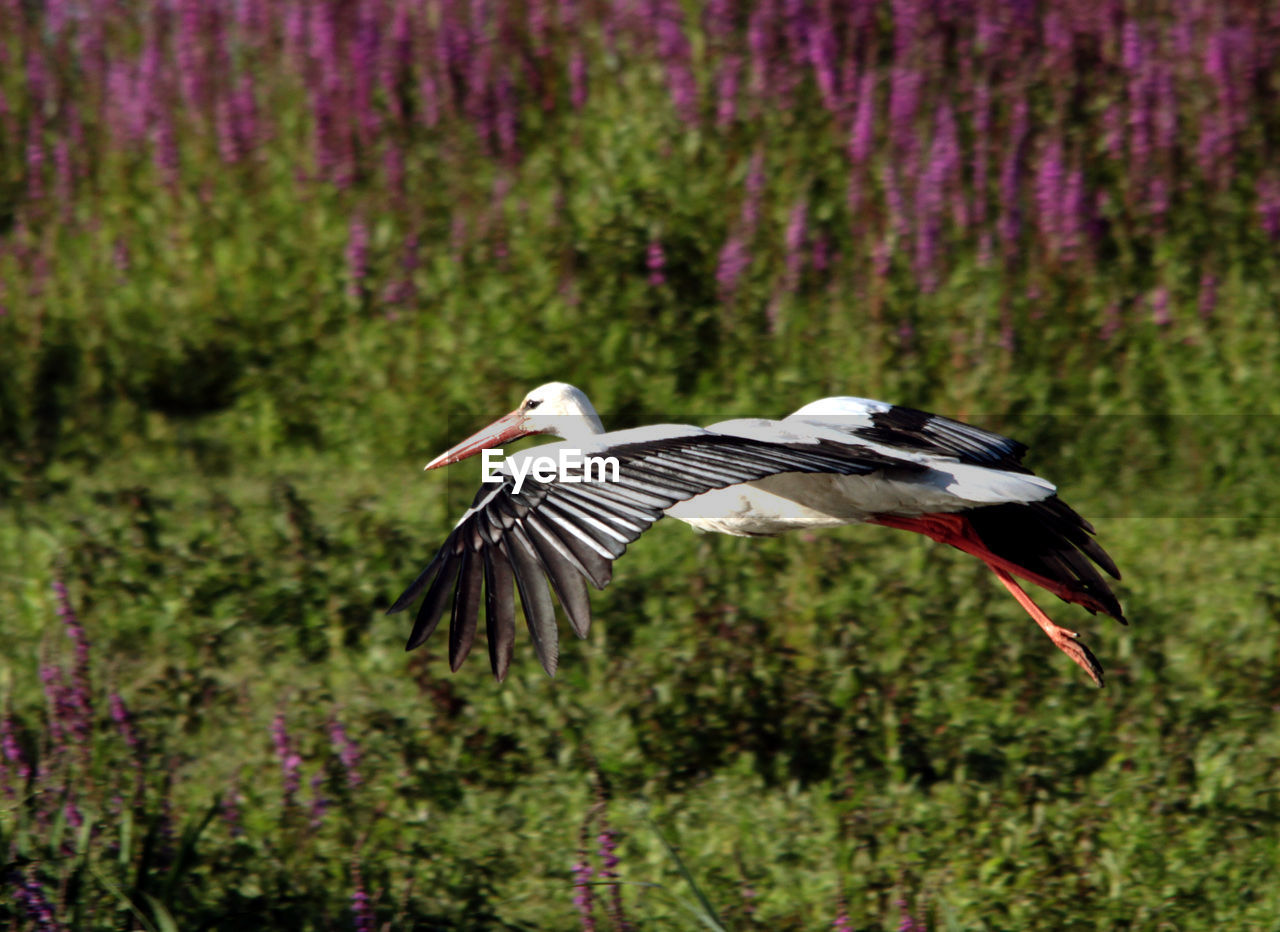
(835, 461)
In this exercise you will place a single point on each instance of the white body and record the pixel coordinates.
(793, 501)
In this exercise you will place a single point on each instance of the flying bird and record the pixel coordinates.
(540, 516)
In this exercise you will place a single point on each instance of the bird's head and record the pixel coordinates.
(556, 408)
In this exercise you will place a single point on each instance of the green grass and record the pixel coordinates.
(217, 445)
(861, 713)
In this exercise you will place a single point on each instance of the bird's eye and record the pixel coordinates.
(532, 403)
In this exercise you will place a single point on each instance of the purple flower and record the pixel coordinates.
(1008, 339)
(244, 114)
(191, 35)
(1165, 115)
(608, 851)
(79, 639)
(908, 924)
(290, 760)
(1268, 193)
(1073, 214)
(754, 192)
(62, 170)
(228, 144)
(655, 260)
(319, 802)
(357, 255)
(505, 115)
(981, 132)
(124, 721)
(1160, 313)
(842, 923)
(673, 50)
(1050, 182)
(13, 758)
(29, 894)
(347, 750)
(578, 78)
(862, 136)
(1010, 177)
(893, 200)
(582, 899)
(944, 163)
(429, 97)
(1208, 296)
(904, 102)
(882, 257)
(1110, 322)
(821, 36)
(165, 148)
(727, 90)
(797, 236)
(361, 906)
(35, 162)
(734, 261)
(230, 808)
(1131, 46)
(758, 36)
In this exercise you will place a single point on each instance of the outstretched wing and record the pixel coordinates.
(571, 532)
(910, 429)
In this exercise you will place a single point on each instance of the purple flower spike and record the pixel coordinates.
(361, 905)
(357, 256)
(583, 874)
(862, 136)
(29, 895)
(673, 50)
(1160, 313)
(13, 760)
(1268, 192)
(124, 721)
(797, 237)
(35, 163)
(231, 815)
(319, 802)
(1010, 180)
(348, 751)
(842, 923)
(655, 260)
(73, 704)
(727, 90)
(290, 760)
(578, 78)
(907, 923)
(1050, 181)
(734, 261)
(1208, 296)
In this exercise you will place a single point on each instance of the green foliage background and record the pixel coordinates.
(214, 434)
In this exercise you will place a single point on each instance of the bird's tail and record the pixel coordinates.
(1043, 542)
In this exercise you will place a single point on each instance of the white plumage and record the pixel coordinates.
(835, 461)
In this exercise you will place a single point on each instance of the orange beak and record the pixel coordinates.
(506, 428)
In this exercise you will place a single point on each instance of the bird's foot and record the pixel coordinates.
(1066, 641)
(1069, 643)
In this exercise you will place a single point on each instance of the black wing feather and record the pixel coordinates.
(570, 534)
(466, 609)
(499, 610)
(539, 613)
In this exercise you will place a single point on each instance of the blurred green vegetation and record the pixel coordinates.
(213, 432)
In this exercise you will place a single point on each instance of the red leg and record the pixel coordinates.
(955, 530)
(1066, 641)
